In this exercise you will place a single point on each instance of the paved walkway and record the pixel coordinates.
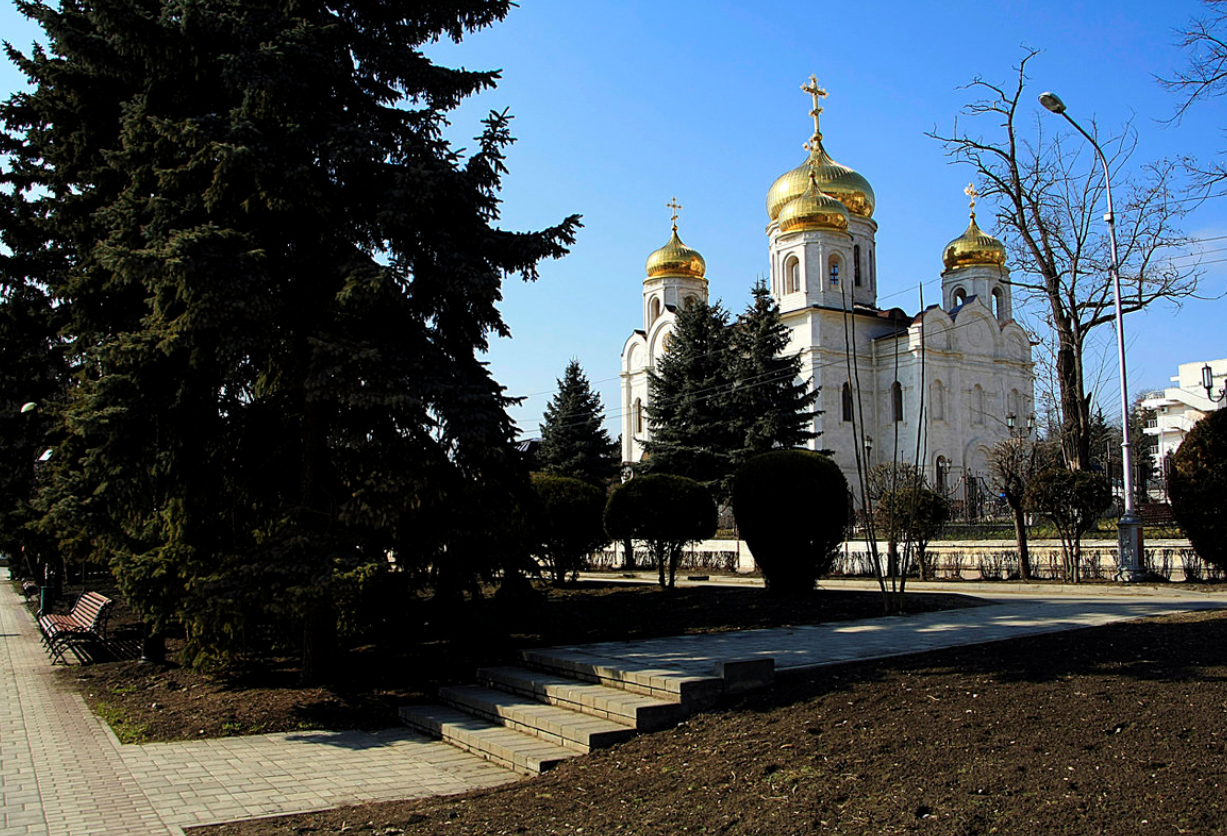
(1007, 616)
(63, 773)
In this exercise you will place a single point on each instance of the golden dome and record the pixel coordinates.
(839, 181)
(676, 260)
(973, 247)
(812, 209)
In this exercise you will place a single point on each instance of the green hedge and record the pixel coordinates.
(792, 510)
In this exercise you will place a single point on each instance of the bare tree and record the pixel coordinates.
(1204, 76)
(1048, 189)
(1012, 464)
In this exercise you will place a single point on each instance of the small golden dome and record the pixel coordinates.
(973, 247)
(840, 182)
(813, 209)
(676, 260)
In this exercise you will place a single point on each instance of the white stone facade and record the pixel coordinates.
(1177, 408)
(933, 388)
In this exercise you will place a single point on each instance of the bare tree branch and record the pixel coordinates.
(1049, 195)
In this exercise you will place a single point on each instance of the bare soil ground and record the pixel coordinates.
(1113, 730)
(426, 646)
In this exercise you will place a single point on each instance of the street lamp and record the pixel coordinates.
(1129, 529)
(1011, 423)
(1207, 382)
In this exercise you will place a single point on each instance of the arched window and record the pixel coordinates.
(896, 401)
(977, 406)
(689, 301)
(856, 265)
(638, 416)
(834, 271)
(942, 475)
(998, 303)
(937, 401)
(655, 311)
(792, 273)
(960, 296)
(846, 402)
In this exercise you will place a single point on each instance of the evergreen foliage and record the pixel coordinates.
(690, 411)
(573, 442)
(791, 557)
(570, 523)
(1198, 483)
(723, 394)
(277, 277)
(773, 405)
(666, 512)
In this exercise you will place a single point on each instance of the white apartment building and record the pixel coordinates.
(1177, 408)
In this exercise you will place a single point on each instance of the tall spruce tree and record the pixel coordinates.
(723, 393)
(278, 276)
(691, 415)
(774, 405)
(573, 442)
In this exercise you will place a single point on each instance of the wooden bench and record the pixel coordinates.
(86, 622)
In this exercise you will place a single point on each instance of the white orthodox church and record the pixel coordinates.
(939, 388)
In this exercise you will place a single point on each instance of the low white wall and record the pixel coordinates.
(967, 559)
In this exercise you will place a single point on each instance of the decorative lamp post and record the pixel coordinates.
(1129, 528)
(1207, 382)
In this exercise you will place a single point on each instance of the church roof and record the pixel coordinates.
(838, 181)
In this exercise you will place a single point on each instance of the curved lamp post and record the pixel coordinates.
(1129, 529)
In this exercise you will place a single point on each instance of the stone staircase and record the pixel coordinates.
(559, 703)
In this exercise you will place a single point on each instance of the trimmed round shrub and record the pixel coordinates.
(1197, 486)
(666, 512)
(569, 523)
(792, 510)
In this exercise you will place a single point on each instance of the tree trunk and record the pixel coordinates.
(153, 646)
(319, 643)
(628, 551)
(1075, 410)
(1020, 535)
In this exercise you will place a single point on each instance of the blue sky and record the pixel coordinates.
(620, 105)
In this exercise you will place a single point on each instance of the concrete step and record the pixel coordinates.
(693, 692)
(493, 741)
(640, 712)
(560, 726)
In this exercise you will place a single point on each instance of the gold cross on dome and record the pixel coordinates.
(674, 205)
(971, 192)
(817, 93)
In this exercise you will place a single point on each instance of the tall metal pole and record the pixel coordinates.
(1129, 528)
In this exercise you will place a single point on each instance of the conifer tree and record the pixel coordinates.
(723, 394)
(773, 404)
(278, 276)
(573, 442)
(694, 428)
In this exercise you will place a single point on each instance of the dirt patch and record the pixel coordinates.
(430, 645)
(1118, 729)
